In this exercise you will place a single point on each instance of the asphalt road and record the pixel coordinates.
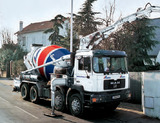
(13, 109)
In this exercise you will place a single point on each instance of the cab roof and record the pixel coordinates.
(113, 53)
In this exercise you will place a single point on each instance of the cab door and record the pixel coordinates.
(83, 72)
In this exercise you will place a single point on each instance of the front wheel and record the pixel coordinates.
(76, 105)
(34, 94)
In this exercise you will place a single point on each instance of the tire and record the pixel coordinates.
(76, 105)
(34, 94)
(59, 101)
(25, 91)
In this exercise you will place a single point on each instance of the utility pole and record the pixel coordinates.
(71, 29)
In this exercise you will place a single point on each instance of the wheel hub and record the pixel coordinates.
(58, 100)
(33, 94)
(75, 105)
(23, 91)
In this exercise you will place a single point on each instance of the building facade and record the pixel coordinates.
(155, 50)
(34, 33)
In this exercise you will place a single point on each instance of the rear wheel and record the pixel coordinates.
(25, 91)
(34, 94)
(59, 101)
(76, 105)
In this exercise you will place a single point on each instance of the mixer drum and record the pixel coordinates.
(46, 54)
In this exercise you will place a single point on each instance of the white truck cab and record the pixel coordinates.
(102, 71)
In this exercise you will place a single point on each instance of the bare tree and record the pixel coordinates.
(109, 14)
(6, 37)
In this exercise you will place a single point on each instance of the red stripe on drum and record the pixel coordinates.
(43, 56)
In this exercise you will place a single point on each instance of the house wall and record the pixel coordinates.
(27, 39)
(63, 31)
(156, 49)
(39, 37)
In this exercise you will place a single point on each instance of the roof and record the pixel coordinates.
(39, 26)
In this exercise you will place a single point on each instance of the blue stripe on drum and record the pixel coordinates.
(36, 55)
(57, 54)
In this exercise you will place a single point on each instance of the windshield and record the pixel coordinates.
(109, 64)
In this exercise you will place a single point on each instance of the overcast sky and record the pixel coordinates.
(30, 11)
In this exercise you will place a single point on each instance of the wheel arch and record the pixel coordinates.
(75, 89)
(62, 89)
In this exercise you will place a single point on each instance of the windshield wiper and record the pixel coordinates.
(106, 72)
(120, 70)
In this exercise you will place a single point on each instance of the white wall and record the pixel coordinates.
(39, 37)
(63, 31)
(151, 94)
(34, 38)
(155, 22)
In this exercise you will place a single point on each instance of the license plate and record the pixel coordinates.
(116, 97)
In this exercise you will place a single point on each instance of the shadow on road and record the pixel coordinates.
(45, 103)
(88, 113)
(124, 113)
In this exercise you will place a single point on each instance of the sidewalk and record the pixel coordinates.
(6, 81)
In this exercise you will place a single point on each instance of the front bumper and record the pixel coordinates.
(105, 97)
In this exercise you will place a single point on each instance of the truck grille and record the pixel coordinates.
(114, 84)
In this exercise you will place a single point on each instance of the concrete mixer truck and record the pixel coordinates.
(86, 78)
(74, 81)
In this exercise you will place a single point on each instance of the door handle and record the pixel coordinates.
(78, 81)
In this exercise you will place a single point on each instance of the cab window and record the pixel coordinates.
(84, 63)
